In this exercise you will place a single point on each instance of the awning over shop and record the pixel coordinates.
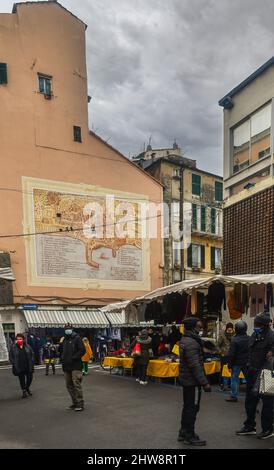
(116, 307)
(188, 285)
(86, 318)
(117, 320)
(7, 274)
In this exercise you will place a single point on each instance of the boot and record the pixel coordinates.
(29, 392)
(24, 394)
(194, 441)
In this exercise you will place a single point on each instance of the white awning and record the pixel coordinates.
(188, 285)
(89, 318)
(7, 274)
(117, 320)
(116, 307)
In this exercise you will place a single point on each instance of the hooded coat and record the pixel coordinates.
(73, 350)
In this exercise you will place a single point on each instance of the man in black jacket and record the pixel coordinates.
(237, 358)
(73, 350)
(193, 378)
(261, 350)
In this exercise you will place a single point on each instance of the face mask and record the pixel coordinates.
(48, 343)
(19, 342)
(201, 333)
(68, 332)
(258, 330)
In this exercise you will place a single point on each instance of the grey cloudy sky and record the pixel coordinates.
(159, 67)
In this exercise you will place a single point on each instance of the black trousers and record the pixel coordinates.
(141, 371)
(192, 399)
(47, 368)
(25, 380)
(251, 403)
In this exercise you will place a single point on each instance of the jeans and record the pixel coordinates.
(73, 382)
(236, 370)
(225, 381)
(251, 403)
(192, 399)
(25, 380)
(85, 368)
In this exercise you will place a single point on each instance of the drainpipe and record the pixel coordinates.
(182, 169)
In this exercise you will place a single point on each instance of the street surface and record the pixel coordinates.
(119, 414)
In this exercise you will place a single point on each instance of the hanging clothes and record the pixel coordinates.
(216, 297)
(194, 301)
(257, 299)
(234, 312)
(200, 303)
(269, 297)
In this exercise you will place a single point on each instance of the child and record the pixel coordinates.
(87, 356)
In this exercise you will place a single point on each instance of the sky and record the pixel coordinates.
(157, 68)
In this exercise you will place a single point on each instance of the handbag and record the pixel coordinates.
(136, 351)
(267, 380)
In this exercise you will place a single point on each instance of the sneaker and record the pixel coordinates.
(138, 380)
(246, 431)
(29, 392)
(143, 383)
(232, 400)
(78, 408)
(71, 407)
(265, 434)
(181, 435)
(24, 394)
(194, 441)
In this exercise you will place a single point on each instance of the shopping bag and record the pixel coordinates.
(136, 351)
(176, 350)
(267, 380)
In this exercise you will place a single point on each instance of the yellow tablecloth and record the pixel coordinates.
(157, 368)
(126, 362)
(226, 373)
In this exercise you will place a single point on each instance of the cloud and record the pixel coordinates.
(159, 68)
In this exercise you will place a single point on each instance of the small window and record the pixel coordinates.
(176, 173)
(218, 191)
(196, 185)
(45, 84)
(77, 134)
(3, 74)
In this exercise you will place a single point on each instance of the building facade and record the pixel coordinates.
(194, 199)
(248, 174)
(54, 170)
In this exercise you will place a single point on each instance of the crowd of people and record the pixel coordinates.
(238, 351)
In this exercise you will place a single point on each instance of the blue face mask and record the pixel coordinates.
(258, 331)
(68, 332)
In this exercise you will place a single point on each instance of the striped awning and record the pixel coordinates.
(7, 274)
(86, 318)
(116, 320)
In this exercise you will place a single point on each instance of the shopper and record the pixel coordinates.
(141, 361)
(237, 358)
(261, 351)
(22, 359)
(193, 378)
(87, 356)
(73, 350)
(223, 344)
(49, 355)
(174, 336)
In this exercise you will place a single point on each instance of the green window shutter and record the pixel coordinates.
(203, 219)
(196, 185)
(194, 216)
(202, 256)
(213, 220)
(213, 265)
(189, 256)
(218, 191)
(3, 74)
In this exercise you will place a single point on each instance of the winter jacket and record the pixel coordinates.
(145, 347)
(88, 354)
(238, 351)
(22, 359)
(192, 361)
(49, 352)
(224, 341)
(259, 346)
(73, 350)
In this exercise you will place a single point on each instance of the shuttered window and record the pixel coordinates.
(213, 220)
(3, 74)
(203, 219)
(196, 184)
(218, 191)
(194, 216)
(213, 265)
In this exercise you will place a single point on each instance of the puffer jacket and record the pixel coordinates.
(22, 360)
(73, 350)
(238, 352)
(259, 346)
(192, 361)
(145, 347)
(224, 341)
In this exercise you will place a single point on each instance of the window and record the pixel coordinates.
(77, 131)
(3, 74)
(196, 185)
(176, 254)
(176, 173)
(218, 191)
(213, 221)
(194, 217)
(196, 256)
(251, 139)
(45, 84)
(203, 219)
(216, 258)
